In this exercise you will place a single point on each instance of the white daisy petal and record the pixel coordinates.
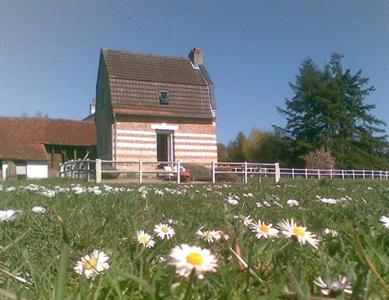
(92, 265)
(261, 229)
(186, 258)
(144, 239)
(385, 221)
(164, 231)
(291, 229)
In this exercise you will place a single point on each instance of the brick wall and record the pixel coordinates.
(136, 139)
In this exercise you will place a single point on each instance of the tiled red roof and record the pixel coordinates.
(24, 138)
(136, 79)
(154, 68)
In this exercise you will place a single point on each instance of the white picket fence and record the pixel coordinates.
(94, 169)
(343, 174)
(87, 169)
(246, 170)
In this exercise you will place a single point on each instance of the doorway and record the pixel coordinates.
(165, 148)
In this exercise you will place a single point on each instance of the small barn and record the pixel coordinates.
(155, 108)
(34, 147)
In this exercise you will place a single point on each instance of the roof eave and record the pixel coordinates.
(132, 113)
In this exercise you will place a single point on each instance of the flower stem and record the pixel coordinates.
(189, 287)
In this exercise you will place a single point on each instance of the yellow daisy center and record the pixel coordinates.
(91, 263)
(208, 233)
(264, 228)
(299, 231)
(165, 229)
(143, 239)
(195, 259)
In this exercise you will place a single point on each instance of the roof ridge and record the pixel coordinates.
(39, 119)
(104, 50)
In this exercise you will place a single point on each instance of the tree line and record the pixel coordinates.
(328, 124)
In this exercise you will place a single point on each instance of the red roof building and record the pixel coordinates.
(44, 142)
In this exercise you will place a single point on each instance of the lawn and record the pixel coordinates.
(344, 242)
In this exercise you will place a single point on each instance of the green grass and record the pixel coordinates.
(44, 248)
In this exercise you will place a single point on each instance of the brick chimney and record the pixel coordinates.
(92, 107)
(196, 57)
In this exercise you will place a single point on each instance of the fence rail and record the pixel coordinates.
(96, 169)
(343, 174)
(246, 169)
(172, 170)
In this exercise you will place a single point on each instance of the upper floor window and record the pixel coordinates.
(164, 97)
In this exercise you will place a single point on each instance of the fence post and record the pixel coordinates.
(140, 171)
(245, 172)
(213, 172)
(380, 175)
(353, 174)
(88, 171)
(342, 174)
(318, 174)
(71, 169)
(306, 174)
(331, 173)
(79, 170)
(363, 173)
(98, 170)
(292, 173)
(178, 172)
(372, 174)
(277, 173)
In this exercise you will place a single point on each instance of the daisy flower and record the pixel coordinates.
(221, 234)
(8, 215)
(186, 258)
(247, 221)
(291, 229)
(39, 209)
(330, 232)
(263, 230)
(145, 239)
(334, 286)
(385, 221)
(328, 200)
(209, 235)
(292, 202)
(164, 231)
(92, 264)
(233, 199)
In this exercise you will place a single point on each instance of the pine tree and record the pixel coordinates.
(328, 110)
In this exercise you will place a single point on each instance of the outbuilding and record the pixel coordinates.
(33, 148)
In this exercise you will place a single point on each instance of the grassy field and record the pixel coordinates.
(38, 251)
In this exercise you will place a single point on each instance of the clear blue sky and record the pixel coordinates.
(49, 50)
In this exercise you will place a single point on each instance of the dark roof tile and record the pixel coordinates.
(146, 67)
(136, 80)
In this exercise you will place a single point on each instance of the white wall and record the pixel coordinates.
(37, 169)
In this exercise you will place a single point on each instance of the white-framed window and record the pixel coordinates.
(164, 97)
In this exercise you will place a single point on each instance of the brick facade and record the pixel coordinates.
(192, 143)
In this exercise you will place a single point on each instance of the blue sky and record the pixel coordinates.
(49, 50)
